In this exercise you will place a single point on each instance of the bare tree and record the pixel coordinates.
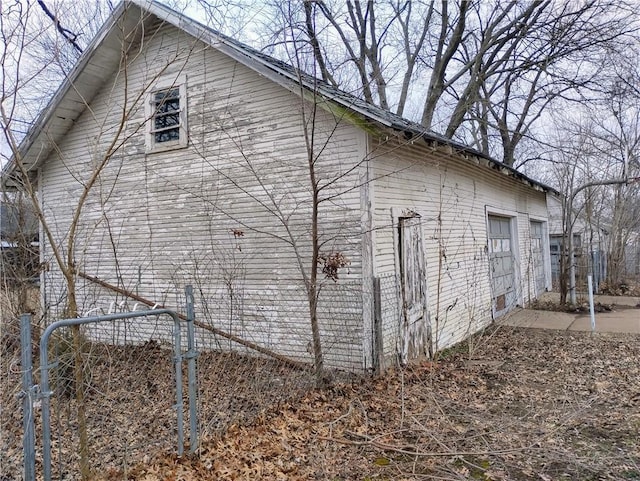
(595, 166)
(618, 136)
(19, 261)
(20, 35)
(490, 72)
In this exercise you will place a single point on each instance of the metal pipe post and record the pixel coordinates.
(591, 307)
(192, 354)
(28, 441)
(177, 359)
(570, 256)
(45, 395)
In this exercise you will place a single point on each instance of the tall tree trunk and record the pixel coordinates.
(312, 287)
(617, 243)
(78, 369)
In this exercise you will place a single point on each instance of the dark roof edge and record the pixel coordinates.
(495, 164)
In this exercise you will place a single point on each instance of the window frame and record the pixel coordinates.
(170, 83)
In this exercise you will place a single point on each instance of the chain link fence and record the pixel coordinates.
(129, 379)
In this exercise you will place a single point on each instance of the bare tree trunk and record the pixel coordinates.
(315, 44)
(443, 57)
(312, 283)
(617, 243)
(78, 370)
(411, 54)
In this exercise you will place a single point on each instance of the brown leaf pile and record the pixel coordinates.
(528, 405)
(534, 405)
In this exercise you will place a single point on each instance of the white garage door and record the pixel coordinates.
(502, 265)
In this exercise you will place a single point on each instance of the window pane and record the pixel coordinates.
(167, 135)
(169, 106)
(166, 120)
(166, 97)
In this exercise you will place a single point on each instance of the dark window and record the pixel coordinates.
(166, 118)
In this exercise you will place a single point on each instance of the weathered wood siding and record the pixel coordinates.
(229, 214)
(453, 197)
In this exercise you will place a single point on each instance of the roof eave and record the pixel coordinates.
(39, 140)
(489, 162)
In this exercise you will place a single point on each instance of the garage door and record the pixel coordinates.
(537, 257)
(502, 265)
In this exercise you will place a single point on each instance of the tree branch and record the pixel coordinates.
(66, 33)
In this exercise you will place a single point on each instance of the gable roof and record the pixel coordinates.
(102, 56)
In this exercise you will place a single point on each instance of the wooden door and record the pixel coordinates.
(415, 327)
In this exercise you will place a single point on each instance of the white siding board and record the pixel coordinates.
(453, 196)
(172, 214)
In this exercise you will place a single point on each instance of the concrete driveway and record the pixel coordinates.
(624, 317)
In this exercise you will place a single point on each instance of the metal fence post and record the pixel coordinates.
(28, 443)
(191, 356)
(378, 349)
(177, 359)
(45, 395)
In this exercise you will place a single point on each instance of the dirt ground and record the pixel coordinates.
(526, 404)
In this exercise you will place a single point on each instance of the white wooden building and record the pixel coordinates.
(208, 144)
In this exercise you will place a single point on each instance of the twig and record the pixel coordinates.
(401, 450)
